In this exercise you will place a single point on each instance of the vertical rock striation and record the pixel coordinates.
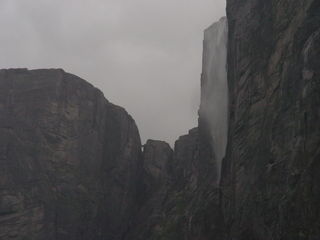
(270, 186)
(70, 160)
(270, 178)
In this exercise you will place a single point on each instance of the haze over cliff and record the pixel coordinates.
(141, 54)
(214, 87)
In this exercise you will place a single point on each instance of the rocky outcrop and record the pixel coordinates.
(181, 197)
(70, 160)
(156, 160)
(157, 181)
(271, 184)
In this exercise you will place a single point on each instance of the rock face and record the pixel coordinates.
(70, 160)
(157, 156)
(270, 186)
(188, 193)
(156, 159)
(270, 178)
(181, 200)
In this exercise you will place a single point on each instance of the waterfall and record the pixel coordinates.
(214, 88)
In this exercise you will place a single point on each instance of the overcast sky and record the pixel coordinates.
(145, 55)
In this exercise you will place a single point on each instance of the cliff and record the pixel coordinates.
(187, 206)
(72, 167)
(70, 160)
(181, 203)
(270, 178)
(270, 186)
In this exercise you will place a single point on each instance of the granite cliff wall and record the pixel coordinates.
(270, 178)
(185, 205)
(181, 204)
(270, 175)
(70, 160)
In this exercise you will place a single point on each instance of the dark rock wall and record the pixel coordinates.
(157, 156)
(70, 160)
(270, 187)
(181, 196)
(189, 210)
(270, 178)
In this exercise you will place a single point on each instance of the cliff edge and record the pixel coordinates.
(70, 160)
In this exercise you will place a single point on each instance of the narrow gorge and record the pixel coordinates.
(73, 166)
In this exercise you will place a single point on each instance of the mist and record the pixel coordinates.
(214, 102)
(145, 55)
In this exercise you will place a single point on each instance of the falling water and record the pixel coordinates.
(214, 87)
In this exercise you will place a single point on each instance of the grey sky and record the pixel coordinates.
(145, 55)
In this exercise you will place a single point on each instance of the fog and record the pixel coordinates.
(214, 96)
(145, 55)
